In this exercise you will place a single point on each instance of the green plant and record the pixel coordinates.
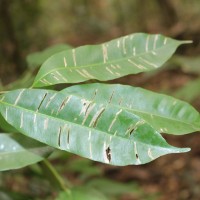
(114, 124)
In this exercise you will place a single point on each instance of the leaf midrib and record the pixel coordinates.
(169, 148)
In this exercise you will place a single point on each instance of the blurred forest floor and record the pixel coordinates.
(27, 26)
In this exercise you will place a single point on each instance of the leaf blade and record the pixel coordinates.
(166, 114)
(18, 151)
(64, 121)
(126, 55)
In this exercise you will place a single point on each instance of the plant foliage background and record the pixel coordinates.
(28, 26)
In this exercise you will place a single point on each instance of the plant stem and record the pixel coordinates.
(53, 175)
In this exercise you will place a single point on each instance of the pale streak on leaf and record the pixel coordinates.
(118, 66)
(74, 56)
(18, 97)
(87, 113)
(134, 51)
(46, 121)
(50, 99)
(138, 66)
(81, 73)
(150, 154)
(89, 135)
(165, 41)
(139, 123)
(124, 44)
(109, 70)
(132, 36)
(87, 74)
(154, 53)
(115, 133)
(96, 117)
(105, 53)
(21, 120)
(118, 43)
(113, 121)
(59, 74)
(54, 76)
(34, 118)
(147, 44)
(149, 63)
(155, 41)
(47, 82)
(42, 81)
(65, 62)
(113, 66)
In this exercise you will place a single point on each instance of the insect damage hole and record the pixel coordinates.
(108, 154)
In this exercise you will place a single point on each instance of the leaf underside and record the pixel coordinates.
(131, 54)
(18, 151)
(101, 132)
(166, 114)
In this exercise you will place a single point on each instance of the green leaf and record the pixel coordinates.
(126, 55)
(164, 113)
(36, 59)
(94, 130)
(18, 151)
(190, 91)
(4, 126)
(25, 80)
(188, 64)
(82, 193)
(111, 188)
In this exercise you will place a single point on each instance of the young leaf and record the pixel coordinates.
(36, 59)
(18, 151)
(108, 134)
(164, 113)
(126, 55)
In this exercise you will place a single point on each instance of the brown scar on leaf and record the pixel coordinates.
(110, 99)
(108, 154)
(68, 135)
(42, 101)
(63, 104)
(59, 136)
